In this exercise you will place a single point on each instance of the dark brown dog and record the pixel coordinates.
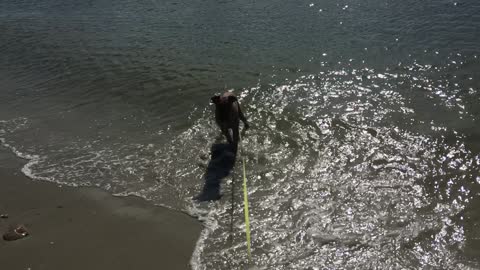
(228, 115)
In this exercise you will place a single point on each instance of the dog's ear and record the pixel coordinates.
(215, 99)
(232, 99)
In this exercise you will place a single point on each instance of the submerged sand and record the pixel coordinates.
(86, 228)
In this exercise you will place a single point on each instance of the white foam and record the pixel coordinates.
(10, 126)
(32, 161)
(210, 225)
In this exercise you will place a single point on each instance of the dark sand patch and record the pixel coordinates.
(86, 228)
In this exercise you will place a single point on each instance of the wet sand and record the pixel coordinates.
(86, 228)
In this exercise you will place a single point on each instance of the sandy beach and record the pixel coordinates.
(87, 228)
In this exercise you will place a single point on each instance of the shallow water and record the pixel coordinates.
(364, 146)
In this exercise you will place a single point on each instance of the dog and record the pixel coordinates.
(228, 115)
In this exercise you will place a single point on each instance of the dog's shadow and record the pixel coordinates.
(221, 164)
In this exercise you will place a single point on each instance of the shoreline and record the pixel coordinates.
(88, 228)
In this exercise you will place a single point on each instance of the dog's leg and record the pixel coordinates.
(236, 139)
(242, 117)
(228, 135)
(236, 136)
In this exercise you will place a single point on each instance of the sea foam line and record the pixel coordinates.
(32, 160)
(210, 224)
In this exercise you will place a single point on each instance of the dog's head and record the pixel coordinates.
(223, 99)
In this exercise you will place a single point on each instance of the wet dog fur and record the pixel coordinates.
(228, 115)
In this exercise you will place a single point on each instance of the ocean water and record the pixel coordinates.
(364, 147)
